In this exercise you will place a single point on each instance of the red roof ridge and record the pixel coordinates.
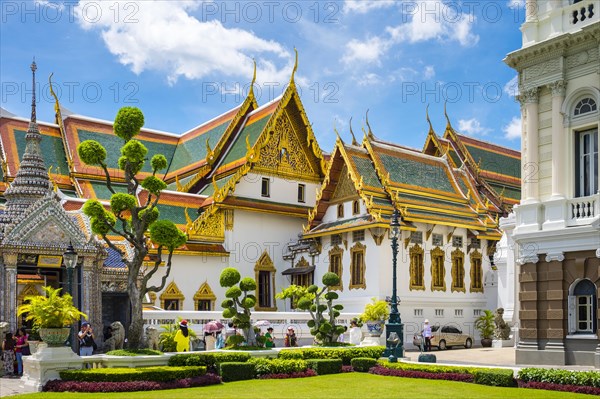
(488, 143)
(110, 123)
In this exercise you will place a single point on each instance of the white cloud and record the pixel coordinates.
(516, 4)
(429, 72)
(429, 20)
(369, 79)
(364, 6)
(512, 87)
(164, 36)
(368, 51)
(472, 127)
(513, 129)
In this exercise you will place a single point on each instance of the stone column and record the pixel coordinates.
(527, 345)
(91, 294)
(559, 143)
(9, 311)
(523, 143)
(530, 172)
(552, 314)
(531, 10)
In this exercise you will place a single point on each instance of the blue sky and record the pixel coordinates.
(184, 63)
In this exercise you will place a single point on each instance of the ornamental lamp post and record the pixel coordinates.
(70, 259)
(394, 348)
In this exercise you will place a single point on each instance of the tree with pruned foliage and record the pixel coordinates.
(239, 301)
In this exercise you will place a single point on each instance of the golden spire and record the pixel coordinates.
(448, 124)
(428, 120)
(354, 142)
(253, 78)
(337, 133)
(56, 106)
(295, 67)
(370, 134)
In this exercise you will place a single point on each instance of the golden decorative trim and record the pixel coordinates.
(265, 264)
(333, 252)
(378, 233)
(172, 292)
(438, 270)
(417, 269)
(476, 272)
(209, 228)
(205, 293)
(458, 271)
(228, 219)
(358, 248)
(29, 290)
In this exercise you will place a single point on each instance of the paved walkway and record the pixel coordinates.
(494, 357)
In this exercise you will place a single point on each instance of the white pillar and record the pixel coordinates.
(523, 145)
(531, 10)
(530, 172)
(559, 142)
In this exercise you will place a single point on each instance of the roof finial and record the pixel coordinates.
(354, 142)
(253, 78)
(428, 120)
(336, 132)
(33, 69)
(370, 134)
(295, 66)
(448, 124)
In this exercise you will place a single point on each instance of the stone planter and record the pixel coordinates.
(55, 337)
(486, 342)
(375, 328)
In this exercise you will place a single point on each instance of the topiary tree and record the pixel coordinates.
(239, 301)
(130, 219)
(295, 293)
(323, 328)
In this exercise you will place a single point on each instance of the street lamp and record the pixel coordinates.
(394, 349)
(70, 258)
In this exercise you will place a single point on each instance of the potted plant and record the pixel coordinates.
(52, 314)
(485, 325)
(374, 315)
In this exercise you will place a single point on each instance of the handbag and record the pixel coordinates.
(25, 351)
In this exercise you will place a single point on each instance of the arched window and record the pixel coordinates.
(264, 271)
(582, 308)
(355, 207)
(340, 211)
(585, 106)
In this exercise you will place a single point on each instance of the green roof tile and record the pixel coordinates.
(209, 189)
(103, 193)
(509, 192)
(113, 145)
(174, 213)
(52, 149)
(494, 162)
(253, 131)
(406, 170)
(367, 171)
(194, 150)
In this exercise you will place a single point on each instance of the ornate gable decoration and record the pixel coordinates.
(284, 154)
(47, 223)
(264, 263)
(205, 292)
(210, 228)
(345, 187)
(28, 290)
(171, 292)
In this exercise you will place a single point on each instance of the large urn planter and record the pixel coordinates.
(375, 328)
(54, 337)
(486, 342)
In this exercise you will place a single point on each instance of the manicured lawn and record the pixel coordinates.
(348, 385)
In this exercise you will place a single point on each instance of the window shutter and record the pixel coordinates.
(571, 309)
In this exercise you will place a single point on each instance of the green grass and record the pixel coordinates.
(347, 385)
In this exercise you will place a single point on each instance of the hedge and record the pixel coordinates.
(564, 377)
(236, 371)
(495, 377)
(264, 366)
(396, 372)
(362, 364)
(210, 360)
(134, 352)
(157, 374)
(129, 386)
(325, 366)
(559, 387)
(431, 367)
(346, 354)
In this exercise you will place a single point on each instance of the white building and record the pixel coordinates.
(557, 228)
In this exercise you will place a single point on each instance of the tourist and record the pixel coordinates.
(269, 340)
(8, 354)
(22, 343)
(86, 339)
(426, 336)
(290, 338)
(341, 337)
(355, 333)
(182, 337)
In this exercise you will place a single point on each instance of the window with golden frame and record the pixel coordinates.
(264, 272)
(355, 207)
(476, 272)
(416, 268)
(438, 270)
(357, 266)
(172, 298)
(340, 211)
(458, 270)
(335, 265)
(303, 280)
(204, 298)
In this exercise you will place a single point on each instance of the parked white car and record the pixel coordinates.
(445, 337)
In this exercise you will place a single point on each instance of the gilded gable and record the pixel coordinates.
(345, 188)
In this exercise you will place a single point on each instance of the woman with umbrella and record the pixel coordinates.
(182, 337)
(211, 330)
